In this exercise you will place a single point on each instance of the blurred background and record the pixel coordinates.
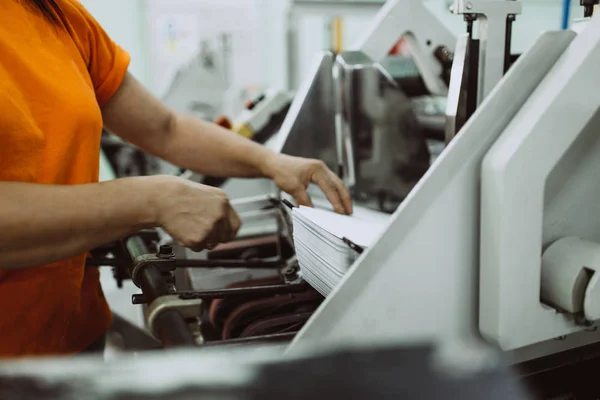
(207, 57)
(250, 36)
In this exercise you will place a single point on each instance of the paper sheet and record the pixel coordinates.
(323, 256)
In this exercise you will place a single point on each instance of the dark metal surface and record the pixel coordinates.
(588, 7)
(570, 374)
(172, 330)
(508, 39)
(472, 78)
(170, 326)
(153, 283)
(379, 139)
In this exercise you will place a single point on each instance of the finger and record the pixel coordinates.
(328, 187)
(223, 229)
(235, 222)
(197, 246)
(344, 194)
(302, 198)
(210, 242)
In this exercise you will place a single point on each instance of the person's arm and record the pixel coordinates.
(41, 224)
(135, 115)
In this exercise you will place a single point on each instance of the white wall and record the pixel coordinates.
(178, 27)
(271, 15)
(124, 21)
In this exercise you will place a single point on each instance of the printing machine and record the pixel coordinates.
(494, 244)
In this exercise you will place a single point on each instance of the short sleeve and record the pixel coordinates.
(107, 62)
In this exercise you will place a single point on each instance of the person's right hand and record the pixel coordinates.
(195, 215)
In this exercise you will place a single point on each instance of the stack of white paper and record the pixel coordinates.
(322, 254)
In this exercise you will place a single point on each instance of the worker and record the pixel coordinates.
(61, 80)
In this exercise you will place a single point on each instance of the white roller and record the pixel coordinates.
(570, 278)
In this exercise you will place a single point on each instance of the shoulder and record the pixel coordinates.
(107, 63)
(80, 24)
(73, 10)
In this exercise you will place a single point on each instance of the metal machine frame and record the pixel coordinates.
(173, 314)
(442, 213)
(397, 18)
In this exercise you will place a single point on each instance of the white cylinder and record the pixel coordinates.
(569, 278)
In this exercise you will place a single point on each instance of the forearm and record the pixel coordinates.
(41, 224)
(138, 117)
(211, 150)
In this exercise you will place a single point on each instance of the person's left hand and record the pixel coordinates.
(294, 174)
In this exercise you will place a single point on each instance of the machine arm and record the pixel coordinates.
(423, 31)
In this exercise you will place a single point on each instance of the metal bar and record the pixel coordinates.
(104, 262)
(222, 293)
(136, 247)
(173, 331)
(566, 14)
(153, 283)
(508, 42)
(183, 263)
(170, 326)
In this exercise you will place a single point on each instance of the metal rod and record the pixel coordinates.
(469, 18)
(137, 247)
(222, 293)
(104, 262)
(508, 42)
(170, 326)
(566, 16)
(173, 331)
(183, 263)
(152, 283)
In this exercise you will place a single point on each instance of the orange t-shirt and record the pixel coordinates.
(54, 79)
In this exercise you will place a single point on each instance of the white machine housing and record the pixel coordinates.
(539, 184)
(462, 256)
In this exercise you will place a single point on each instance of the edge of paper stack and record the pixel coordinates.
(322, 255)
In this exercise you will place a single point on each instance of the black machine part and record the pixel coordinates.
(588, 7)
(153, 271)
